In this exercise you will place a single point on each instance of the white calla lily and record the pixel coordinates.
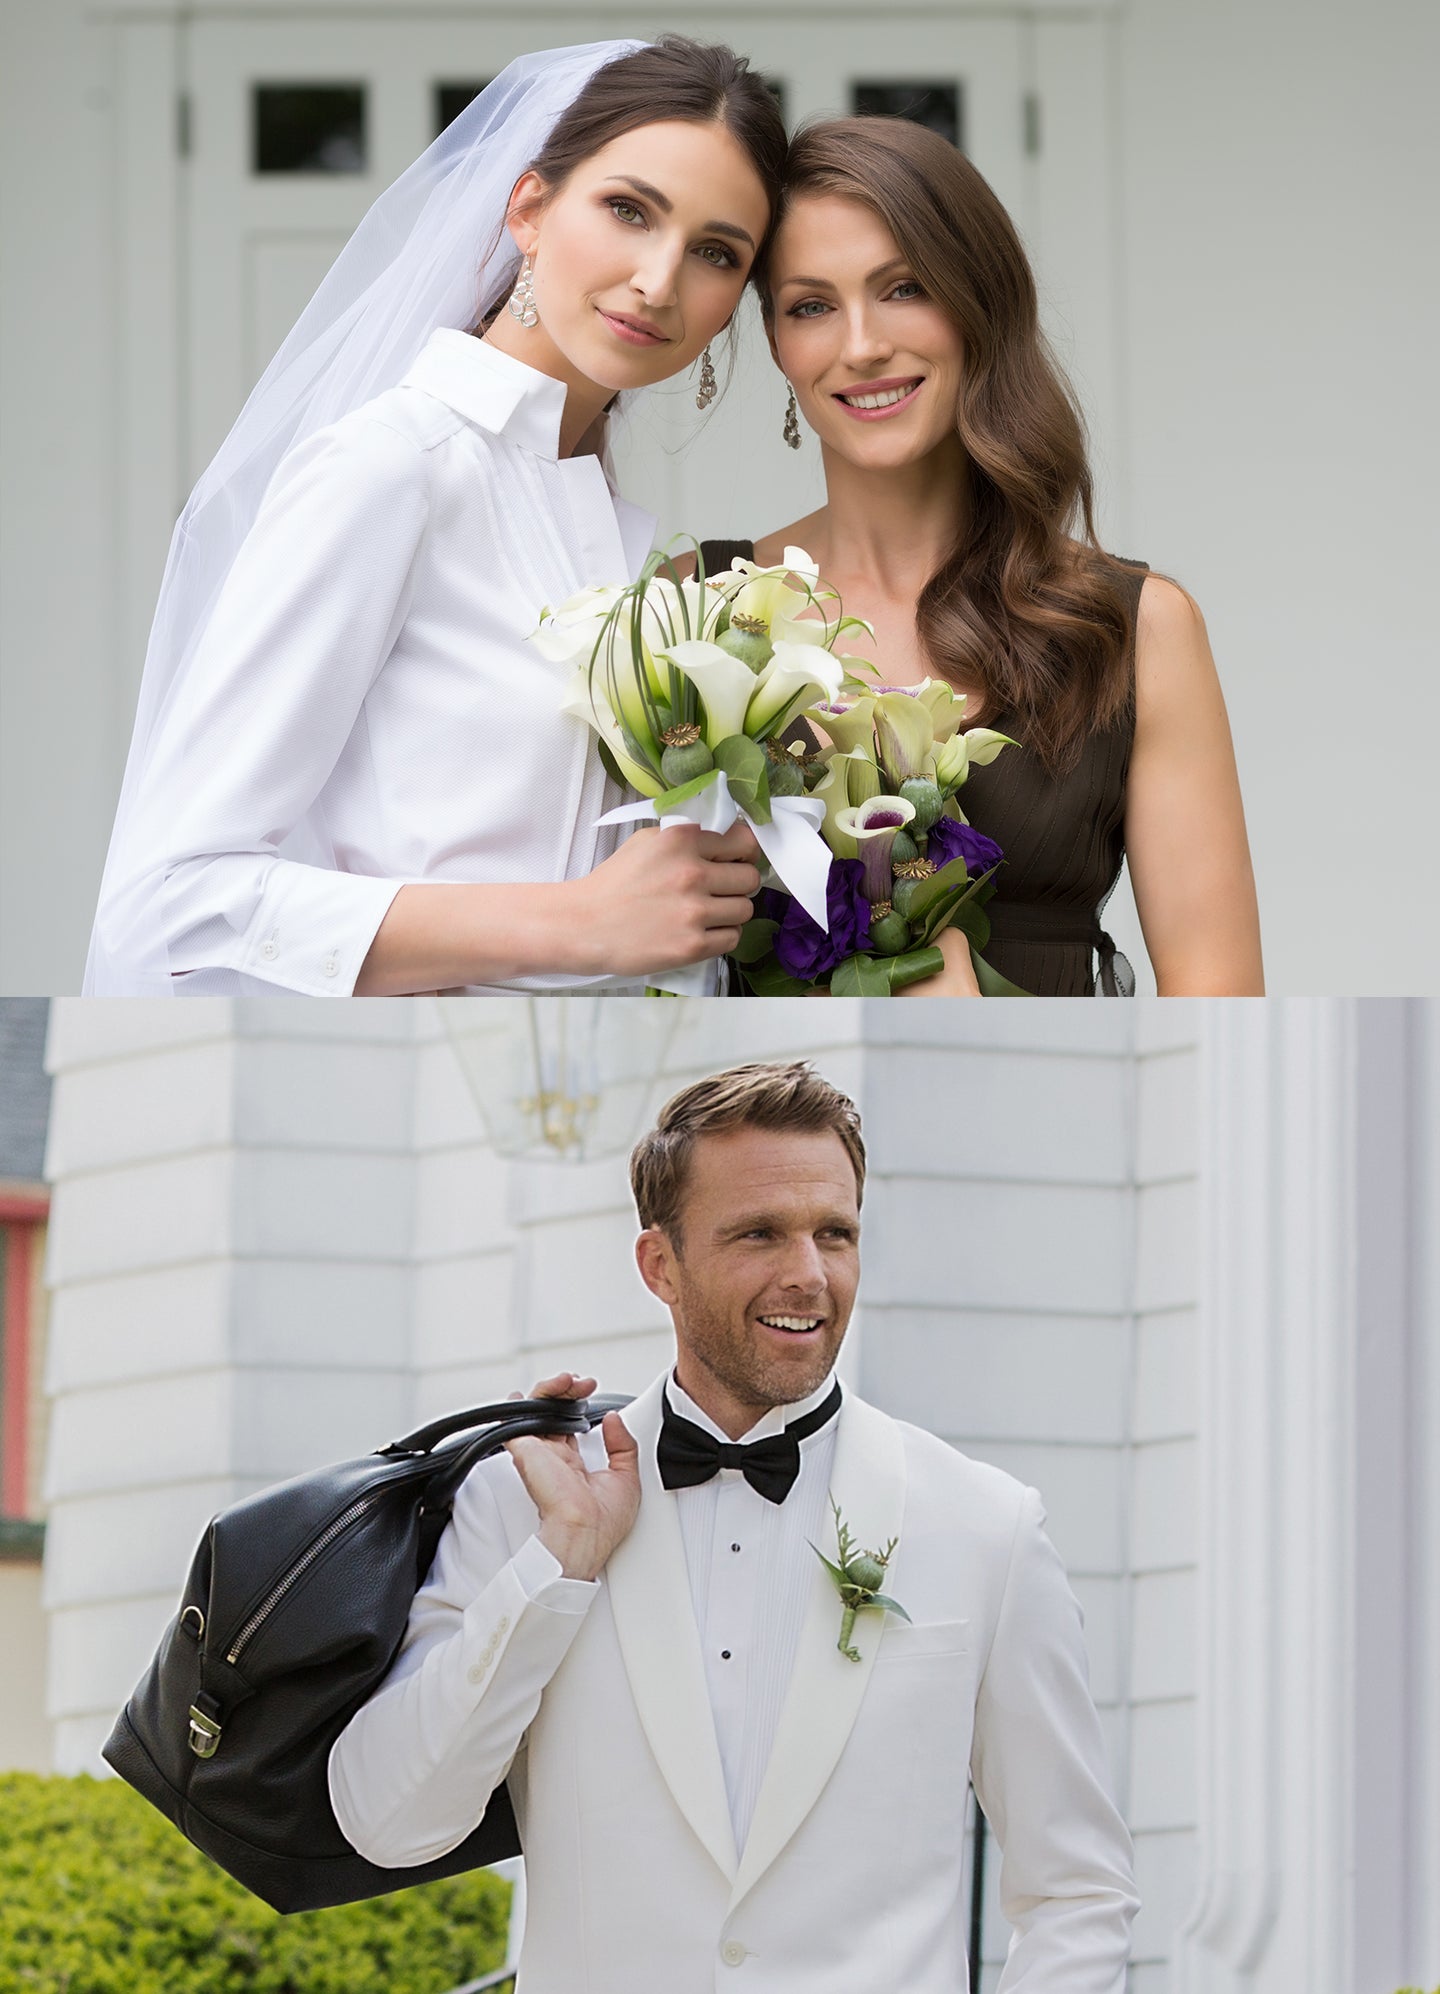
(796, 676)
(873, 826)
(985, 744)
(583, 700)
(725, 686)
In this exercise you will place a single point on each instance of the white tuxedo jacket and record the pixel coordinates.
(851, 1879)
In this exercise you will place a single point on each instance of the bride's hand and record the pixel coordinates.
(956, 979)
(668, 897)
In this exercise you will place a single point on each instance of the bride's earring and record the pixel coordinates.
(708, 383)
(792, 422)
(522, 298)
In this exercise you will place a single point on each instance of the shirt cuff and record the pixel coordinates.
(315, 928)
(542, 1580)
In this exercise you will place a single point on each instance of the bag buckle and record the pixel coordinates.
(204, 1734)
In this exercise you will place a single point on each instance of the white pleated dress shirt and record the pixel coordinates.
(750, 1568)
(365, 711)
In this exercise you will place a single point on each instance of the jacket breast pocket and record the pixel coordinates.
(903, 1640)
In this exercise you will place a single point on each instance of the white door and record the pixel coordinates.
(297, 125)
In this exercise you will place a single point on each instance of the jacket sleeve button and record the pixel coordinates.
(732, 1952)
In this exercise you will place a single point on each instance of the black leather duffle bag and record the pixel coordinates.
(293, 1612)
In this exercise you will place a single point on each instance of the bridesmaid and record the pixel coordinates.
(958, 521)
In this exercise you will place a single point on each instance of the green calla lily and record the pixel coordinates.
(985, 744)
(903, 734)
(952, 762)
(852, 727)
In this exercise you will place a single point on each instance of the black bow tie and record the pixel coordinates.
(688, 1455)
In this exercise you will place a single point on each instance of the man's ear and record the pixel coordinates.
(655, 1256)
(522, 215)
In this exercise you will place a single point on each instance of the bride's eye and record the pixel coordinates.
(804, 308)
(722, 257)
(615, 202)
(910, 287)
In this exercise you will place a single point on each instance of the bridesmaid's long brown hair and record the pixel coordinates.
(1029, 610)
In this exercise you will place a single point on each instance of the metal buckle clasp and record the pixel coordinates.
(204, 1734)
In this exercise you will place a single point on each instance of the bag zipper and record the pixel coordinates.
(298, 1569)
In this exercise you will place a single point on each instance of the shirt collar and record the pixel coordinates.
(774, 1421)
(492, 389)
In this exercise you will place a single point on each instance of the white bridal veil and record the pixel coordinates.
(431, 252)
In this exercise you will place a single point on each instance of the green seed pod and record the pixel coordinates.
(866, 1571)
(927, 799)
(888, 936)
(786, 777)
(904, 848)
(679, 765)
(902, 895)
(751, 647)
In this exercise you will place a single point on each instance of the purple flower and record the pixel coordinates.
(802, 948)
(949, 840)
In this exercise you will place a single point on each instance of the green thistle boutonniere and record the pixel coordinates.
(858, 1577)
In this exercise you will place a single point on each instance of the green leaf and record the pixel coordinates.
(890, 1605)
(860, 976)
(834, 1570)
(992, 983)
(936, 887)
(768, 979)
(962, 913)
(610, 765)
(755, 939)
(912, 966)
(744, 763)
(671, 799)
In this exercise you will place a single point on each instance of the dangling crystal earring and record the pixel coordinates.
(708, 384)
(792, 422)
(522, 298)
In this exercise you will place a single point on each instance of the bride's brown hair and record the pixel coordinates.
(1037, 624)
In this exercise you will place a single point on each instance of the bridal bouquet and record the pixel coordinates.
(690, 684)
(906, 863)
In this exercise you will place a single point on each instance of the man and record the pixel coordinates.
(635, 1629)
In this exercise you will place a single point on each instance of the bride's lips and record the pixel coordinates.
(909, 381)
(634, 331)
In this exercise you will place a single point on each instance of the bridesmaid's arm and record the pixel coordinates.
(1184, 822)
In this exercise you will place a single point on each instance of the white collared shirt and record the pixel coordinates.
(750, 1568)
(365, 711)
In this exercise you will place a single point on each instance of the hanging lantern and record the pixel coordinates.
(561, 1079)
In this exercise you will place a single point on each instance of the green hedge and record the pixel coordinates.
(100, 1895)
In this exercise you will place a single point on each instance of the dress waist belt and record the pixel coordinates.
(1021, 921)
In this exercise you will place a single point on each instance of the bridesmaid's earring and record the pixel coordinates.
(792, 422)
(522, 298)
(708, 384)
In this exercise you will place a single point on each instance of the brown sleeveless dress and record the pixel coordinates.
(1063, 839)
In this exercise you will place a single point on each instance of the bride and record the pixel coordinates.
(350, 771)
(900, 304)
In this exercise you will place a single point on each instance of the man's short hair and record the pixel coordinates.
(787, 1096)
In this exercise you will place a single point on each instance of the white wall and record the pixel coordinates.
(1272, 168)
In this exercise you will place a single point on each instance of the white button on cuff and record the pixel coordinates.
(732, 1952)
(477, 1674)
(269, 951)
(331, 966)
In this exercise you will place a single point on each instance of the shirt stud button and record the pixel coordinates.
(734, 1547)
(724, 1654)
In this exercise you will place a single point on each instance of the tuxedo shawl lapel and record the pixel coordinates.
(867, 1480)
(649, 1589)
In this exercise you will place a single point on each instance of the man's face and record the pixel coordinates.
(763, 1281)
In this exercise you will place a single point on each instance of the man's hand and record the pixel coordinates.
(583, 1516)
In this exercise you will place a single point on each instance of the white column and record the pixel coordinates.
(229, 1256)
(1310, 1355)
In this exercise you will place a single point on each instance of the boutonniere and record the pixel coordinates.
(858, 1578)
